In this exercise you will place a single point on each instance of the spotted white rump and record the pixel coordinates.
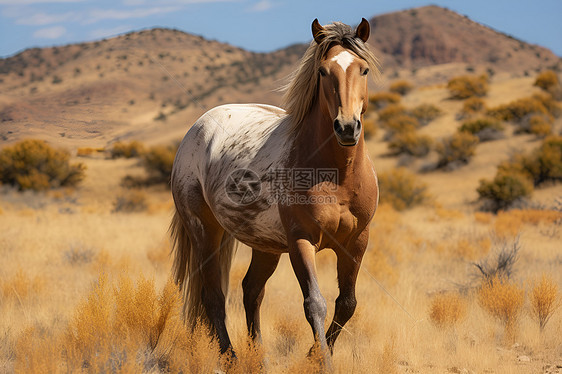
(230, 138)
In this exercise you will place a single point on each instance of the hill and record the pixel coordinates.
(151, 85)
(147, 84)
(432, 35)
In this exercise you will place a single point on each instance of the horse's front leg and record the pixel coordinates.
(349, 262)
(302, 254)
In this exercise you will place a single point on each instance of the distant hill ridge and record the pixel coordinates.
(152, 84)
(434, 35)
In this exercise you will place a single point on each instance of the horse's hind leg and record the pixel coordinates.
(349, 262)
(261, 268)
(206, 236)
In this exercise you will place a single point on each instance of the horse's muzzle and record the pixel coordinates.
(347, 133)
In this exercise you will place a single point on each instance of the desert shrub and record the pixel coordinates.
(127, 326)
(130, 201)
(425, 113)
(549, 160)
(382, 99)
(127, 150)
(78, 254)
(467, 86)
(88, 151)
(447, 309)
(32, 164)
(521, 109)
(547, 80)
(500, 264)
(20, 286)
(505, 189)
(484, 128)
(456, 149)
(158, 161)
(401, 87)
(410, 143)
(369, 128)
(471, 107)
(402, 189)
(400, 124)
(504, 301)
(392, 111)
(538, 125)
(541, 165)
(544, 300)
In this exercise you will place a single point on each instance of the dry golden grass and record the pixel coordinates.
(504, 300)
(509, 224)
(77, 322)
(544, 300)
(20, 286)
(447, 309)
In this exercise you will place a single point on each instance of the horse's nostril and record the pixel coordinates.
(338, 128)
(358, 125)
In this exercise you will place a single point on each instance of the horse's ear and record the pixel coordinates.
(317, 31)
(363, 30)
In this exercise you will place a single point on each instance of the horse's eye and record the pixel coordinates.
(365, 72)
(322, 72)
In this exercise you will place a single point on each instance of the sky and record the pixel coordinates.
(256, 25)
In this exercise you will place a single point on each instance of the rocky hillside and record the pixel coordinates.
(146, 83)
(433, 35)
(151, 85)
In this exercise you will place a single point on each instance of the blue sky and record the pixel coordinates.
(257, 25)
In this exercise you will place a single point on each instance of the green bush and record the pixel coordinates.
(34, 165)
(158, 161)
(401, 87)
(484, 128)
(425, 113)
(127, 150)
(505, 189)
(402, 189)
(456, 149)
(410, 143)
(467, 86)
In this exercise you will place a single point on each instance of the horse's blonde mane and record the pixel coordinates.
(301, 90)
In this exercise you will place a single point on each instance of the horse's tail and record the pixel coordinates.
(187, 270)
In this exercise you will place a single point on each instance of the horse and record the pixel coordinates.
(294, 180)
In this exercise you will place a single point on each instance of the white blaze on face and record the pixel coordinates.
(344, 59)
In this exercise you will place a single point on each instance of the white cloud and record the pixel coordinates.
(107, 32)
(261, 6)
(54, 32)
(40, 19)
(103, 14)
